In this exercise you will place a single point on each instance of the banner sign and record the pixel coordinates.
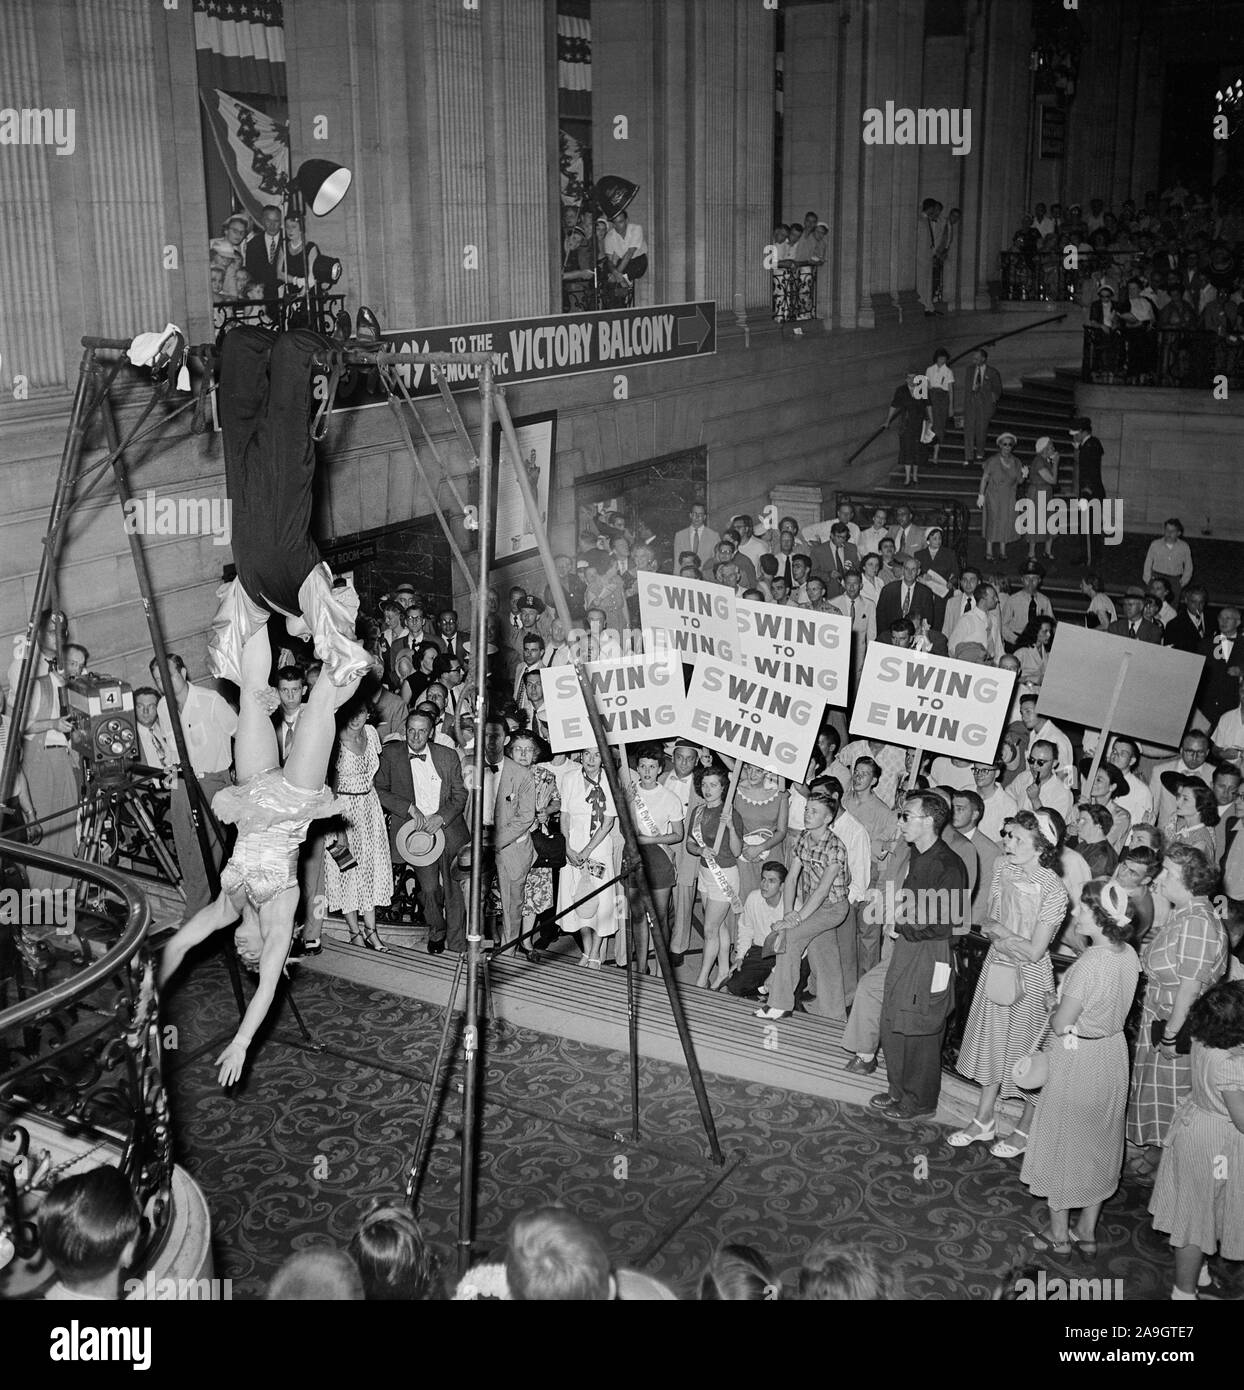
(638, 697)
(919, 700)
(765, 722)
(556, 345)
(798, 646)
(698, 618)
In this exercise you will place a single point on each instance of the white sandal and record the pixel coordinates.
(1006, 1148)
(976, 1133)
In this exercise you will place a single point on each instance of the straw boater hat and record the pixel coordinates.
(1006, 434)
(419, 847)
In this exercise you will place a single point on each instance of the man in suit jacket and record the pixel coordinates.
(1089, 453)
(453, 641)
(510, 809)
(982, 392)
(435, 803)
(908, 538)
(835, 555)
(905, 598)
(967, 808)
(1131, 624)
(1188, 629)
(263, 254)
(1224, 657)
(698, 536)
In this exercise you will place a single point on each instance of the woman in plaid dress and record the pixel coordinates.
(1181, 960)
(1027, 905)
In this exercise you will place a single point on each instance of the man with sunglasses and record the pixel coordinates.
(1040, 785)
(919, 982)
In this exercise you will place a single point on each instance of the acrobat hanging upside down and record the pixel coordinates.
(267, 403)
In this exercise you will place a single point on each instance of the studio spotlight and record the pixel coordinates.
(612, 195)
(322, 184)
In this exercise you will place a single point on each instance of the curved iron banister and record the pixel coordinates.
(137, 923)
(985, 342)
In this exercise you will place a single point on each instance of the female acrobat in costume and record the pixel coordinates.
(266, 394)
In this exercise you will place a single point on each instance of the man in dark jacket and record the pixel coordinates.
(918, 985)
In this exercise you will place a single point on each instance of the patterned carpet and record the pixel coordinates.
(296, 1156)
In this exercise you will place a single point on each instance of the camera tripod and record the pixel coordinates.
(114, 801)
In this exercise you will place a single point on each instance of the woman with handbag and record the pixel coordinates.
(1075, 1145)
(1198, 1199)
(1027, 904)
(359, 888)
(1181, 960)
(588, 818)
(659, 828)
(546, 837)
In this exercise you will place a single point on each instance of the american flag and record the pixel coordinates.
(241, 45)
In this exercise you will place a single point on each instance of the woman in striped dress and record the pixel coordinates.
(1199, 1197)
(1027, 905)
(1181, 960)
(1075, 1148)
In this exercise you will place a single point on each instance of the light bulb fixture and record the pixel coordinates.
(612, 195)
(326, 270)
(322, 184)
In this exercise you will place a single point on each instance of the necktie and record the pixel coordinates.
(287, 737)
(420, 757)
(1133, 631)
(902, 539)
(967, 603)
(906, 600)
(980, 377)
(494, 768)
(695, 539)
(790, 578)
(1032, 609)
(159, 745)
(852, 612)
(272, 248)
(837, 561)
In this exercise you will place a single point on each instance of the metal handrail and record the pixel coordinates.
(137, 925)
(985, 342)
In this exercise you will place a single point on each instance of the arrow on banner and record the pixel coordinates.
(694, 332)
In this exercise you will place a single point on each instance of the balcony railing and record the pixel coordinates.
(80, 1048)
(317, 311)
(1183, 358)
(794, 291)
(1044, 277)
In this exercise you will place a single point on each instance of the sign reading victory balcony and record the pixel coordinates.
(556, 345)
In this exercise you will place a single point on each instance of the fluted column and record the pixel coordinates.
(121, 182)
(753, 146)
(31, 328)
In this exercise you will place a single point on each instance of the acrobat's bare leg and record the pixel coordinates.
(307, 763)
(254, 745)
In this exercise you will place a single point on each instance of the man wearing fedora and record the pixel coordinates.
(1132, 624)
(1026, 606)
(420, 786)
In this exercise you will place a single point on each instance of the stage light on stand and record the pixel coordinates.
(322, 184)
(611, 195)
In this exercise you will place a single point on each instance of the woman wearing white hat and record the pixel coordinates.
(1042, 485)
(1000, 479)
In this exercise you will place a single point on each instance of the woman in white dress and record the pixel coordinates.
(370, 883)
(588, 820)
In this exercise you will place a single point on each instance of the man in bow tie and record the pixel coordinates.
(419, 780)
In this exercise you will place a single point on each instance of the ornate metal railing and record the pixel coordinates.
(794, 291)
(317, 311)
(952, 516)
(80, 1047)
(1045, 276)
(1183, 358)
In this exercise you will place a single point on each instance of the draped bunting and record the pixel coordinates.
(241, 45)
(574, 65)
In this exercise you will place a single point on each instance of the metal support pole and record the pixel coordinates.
(475, 908)
(620, 801)
(199, 808)
(86, 401)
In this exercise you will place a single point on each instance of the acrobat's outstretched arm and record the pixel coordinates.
(214, 917)
(271, 963)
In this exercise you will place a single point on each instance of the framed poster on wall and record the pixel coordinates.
(513, 537)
